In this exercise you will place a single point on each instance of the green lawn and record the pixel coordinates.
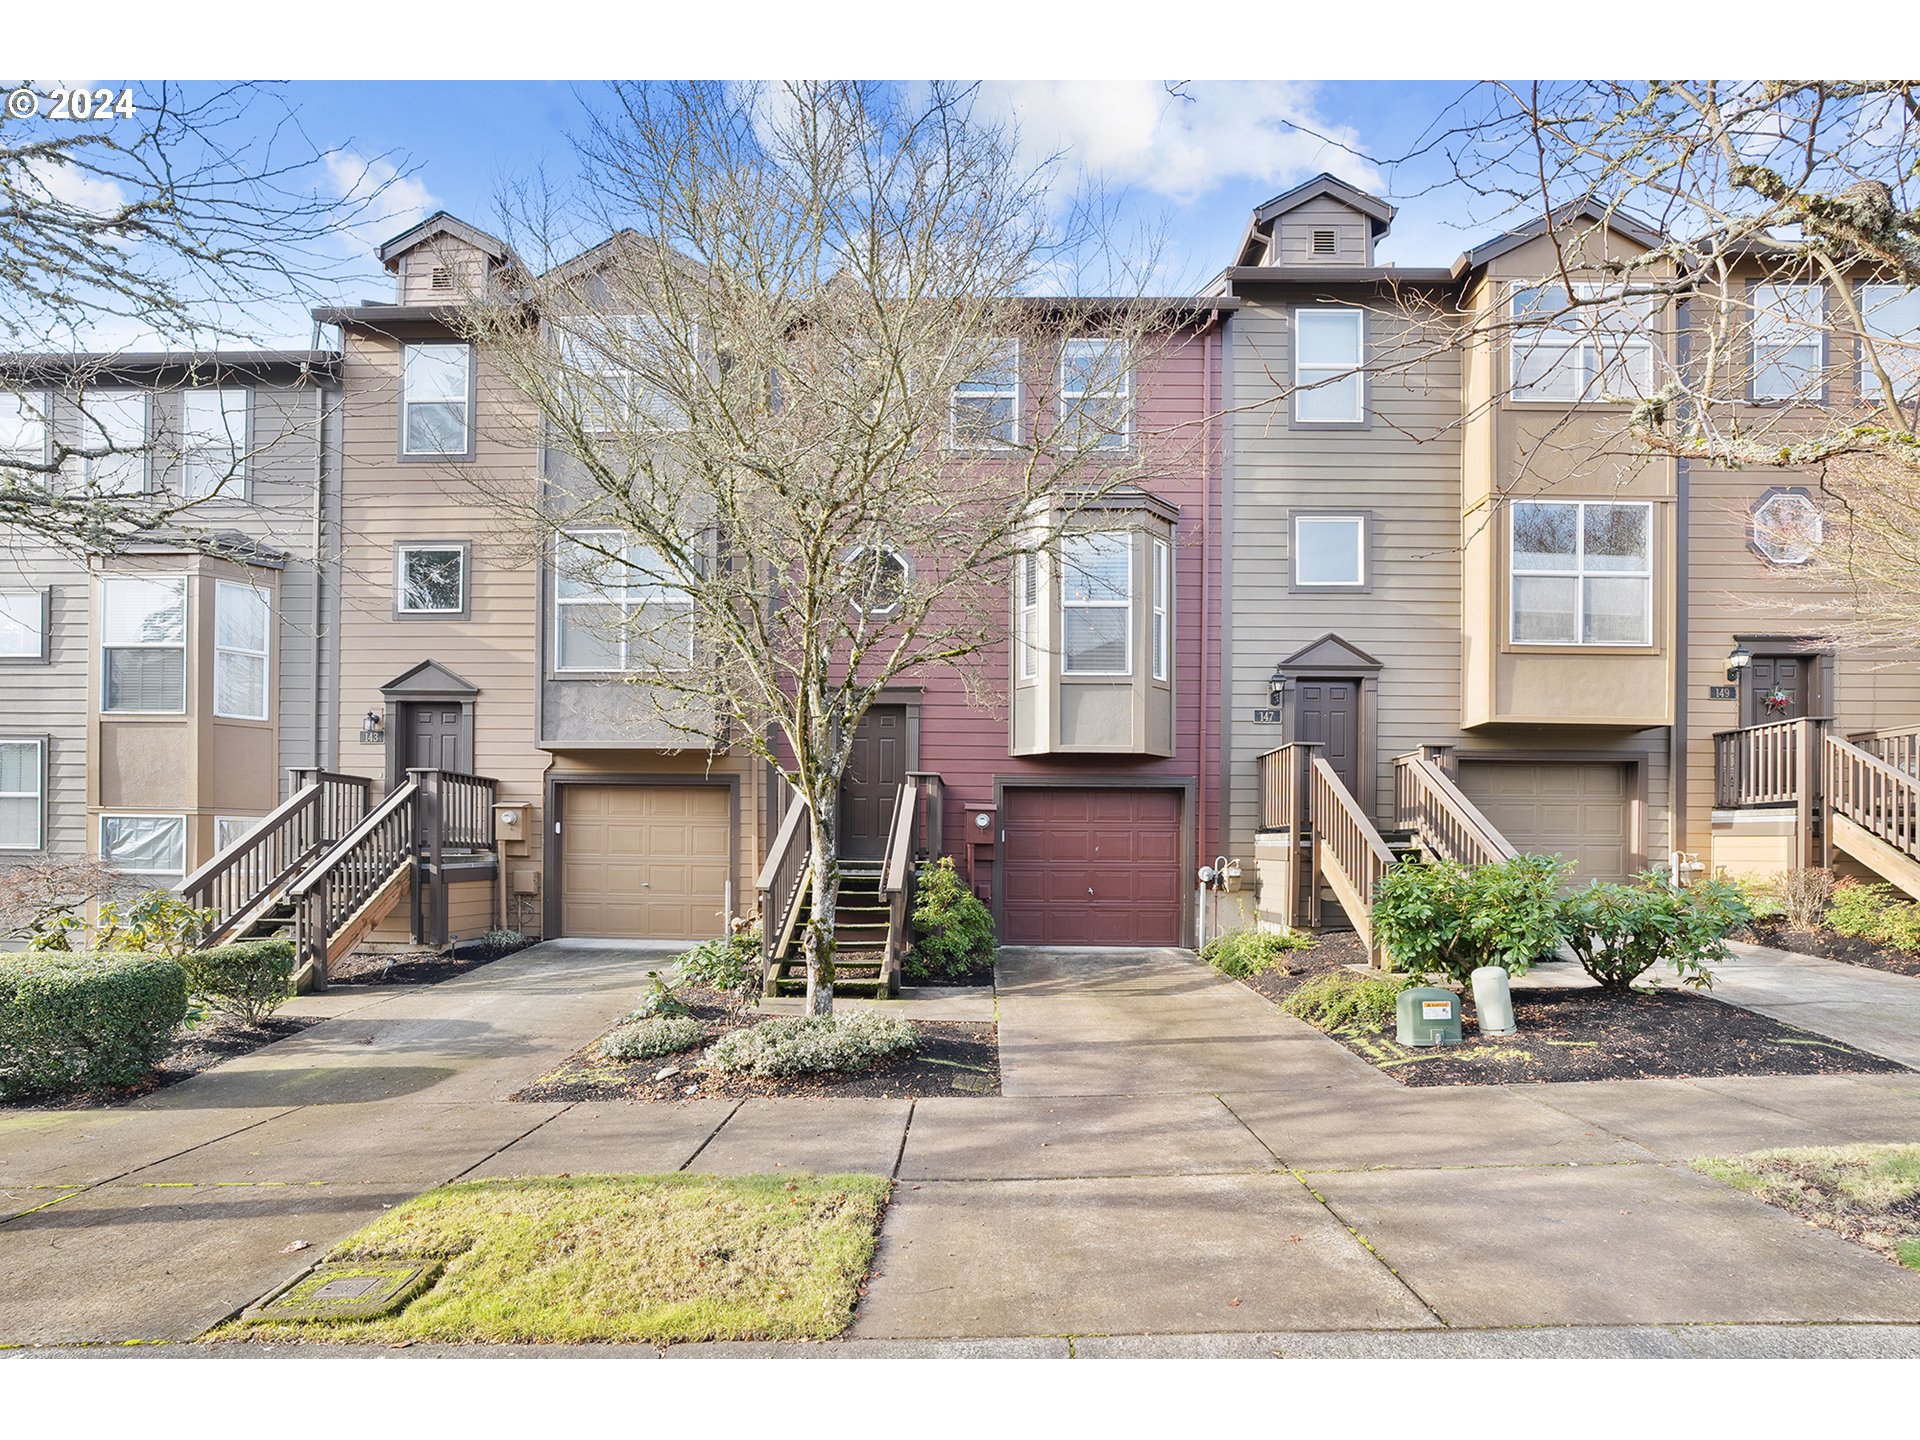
(657, 1258)
(1869, 1193)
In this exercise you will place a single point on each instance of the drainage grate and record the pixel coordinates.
(349, 1290)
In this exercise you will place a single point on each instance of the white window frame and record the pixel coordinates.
(143, 815)
(465, 402)
(1307, 373)
(1027, 613)
(625, 386)
(1362, 525)
(881, 612)
(35, 605)
(107, 583)
(221, 589)
(1579, 574)
(1905, 350)
(93, 433)
(1162, 638)
(1770, 309)
(1590, 367)
(628, 597)
(415, 547)
(228, 477)
(1009, 351)
(1074, 400)
(40, 479)
(1125, 537)
(38, 795)
(248, 824)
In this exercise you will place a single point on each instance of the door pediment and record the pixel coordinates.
(429, 680)
(1330, 655)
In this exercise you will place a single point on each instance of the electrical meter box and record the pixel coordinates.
(1428, 1015)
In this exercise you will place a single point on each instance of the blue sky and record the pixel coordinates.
(1195, 166)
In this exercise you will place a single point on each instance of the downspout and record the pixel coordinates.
(1206, 582)
(319, 568)
(1677, 835)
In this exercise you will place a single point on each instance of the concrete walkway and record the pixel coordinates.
(1872, 1009)
(1171, 1157)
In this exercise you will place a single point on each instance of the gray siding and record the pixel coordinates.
(50, 700)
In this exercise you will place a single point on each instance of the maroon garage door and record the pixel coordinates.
(1091, 867)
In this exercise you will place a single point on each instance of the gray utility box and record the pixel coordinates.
(1428, 1015)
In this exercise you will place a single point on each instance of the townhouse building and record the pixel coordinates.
(156, 699)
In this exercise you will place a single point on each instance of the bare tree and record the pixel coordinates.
(163, 219)
(802, 421)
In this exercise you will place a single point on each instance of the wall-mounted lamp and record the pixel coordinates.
(1737, 660)
(1277, 688)
(373, 730)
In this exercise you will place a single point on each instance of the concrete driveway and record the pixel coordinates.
(1171, 1156)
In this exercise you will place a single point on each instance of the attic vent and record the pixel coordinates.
(1323, 242)
(443, 277)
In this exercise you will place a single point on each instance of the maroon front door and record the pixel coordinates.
(875, 771)
(1090, 866)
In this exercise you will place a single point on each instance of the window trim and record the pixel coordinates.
(1866, 385)
(184, 645)
(1126, 536)
(45, 652)
(1124, 393)
(1017, 395)
(569, 672)
(1160, 618)
(1357, 370)
(41, 748)
(243, 470)
(402, 548)
(100, 833)
(1579, 575)
(252, 823)
(145, 457)
(1767, 497)
(1582, 400)
(43, 401)
(431, 457)
(906, 569)
(265, 656)
(1822, 341)
(1026, 606)
(1296, 585)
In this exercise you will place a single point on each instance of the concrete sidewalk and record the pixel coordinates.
(1868, 1008)
(1172, 1157)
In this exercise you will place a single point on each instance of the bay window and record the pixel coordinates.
(144, 844)
(143, 630)
(1162, 599)
(241, 620)
(1096, 604)
(1028, 616)
(1581, 572)
(1328, 351)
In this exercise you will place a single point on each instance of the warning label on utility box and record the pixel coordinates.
(1436, 1009)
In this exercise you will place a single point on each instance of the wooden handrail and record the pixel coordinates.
(1286, 791)
(896, 866)
(1450, 826)
(1880, 798)
(1761, 765)
(239, 880)
(781, 881)
(351, 874)
(1898, 746)
(1348, 851)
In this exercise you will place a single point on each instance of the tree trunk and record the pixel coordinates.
(818, 942)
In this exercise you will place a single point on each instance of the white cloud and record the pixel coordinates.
(1136, 133)
(68, 185)
(384, 202)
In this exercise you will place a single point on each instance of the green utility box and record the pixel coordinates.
(1428, 1015)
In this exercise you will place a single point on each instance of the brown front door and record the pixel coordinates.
(1788, 675)
(874, 775)
(437, 737)
(1090, 866)
(1327, 712)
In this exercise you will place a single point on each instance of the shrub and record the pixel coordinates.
(80, 1021)
(246, 981)
(154, 922)
(503, 942)
(1445, 919)
(1804, 896)
(812, 1044)
(952, 931)
(1342, 998)
(662, 1035)
(731, 965)
(1253, 952)
(658, 1003)
(1874, 913)
(1619, 931)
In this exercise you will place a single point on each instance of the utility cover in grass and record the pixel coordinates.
(350, 1291)
(644, 1258)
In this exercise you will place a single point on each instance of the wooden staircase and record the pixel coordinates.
(327, 869)
(861, 934)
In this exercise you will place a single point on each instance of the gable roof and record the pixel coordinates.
(428, 680)
(1619, 221)
(1322, 186)
(1329, 652)
(441, 223)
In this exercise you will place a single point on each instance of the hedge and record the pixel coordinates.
(247, 980)
(73, 1020)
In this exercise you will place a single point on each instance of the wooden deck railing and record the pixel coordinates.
(1286, 800)
(1761, 765)
(1349, 852)
(1899, 747)
(1449, 826)
(369, 862)
(913, 836)
(781, 880)
(241, 879)
(1878, 797)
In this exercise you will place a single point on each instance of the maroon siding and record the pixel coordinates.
(1091, 867)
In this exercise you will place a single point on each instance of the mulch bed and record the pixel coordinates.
(1847, 948)
(954, 1058)
(211, 1043)
(1587, 1034)
(415, 967)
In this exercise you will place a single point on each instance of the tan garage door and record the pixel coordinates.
(1575, 809)
(644, 862)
